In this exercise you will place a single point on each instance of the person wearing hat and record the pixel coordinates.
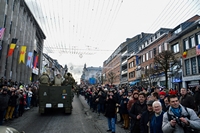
(124, 111)
(146, 118)
(162, 95)
(4, 98)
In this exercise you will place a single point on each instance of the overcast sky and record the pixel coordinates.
(88, 31)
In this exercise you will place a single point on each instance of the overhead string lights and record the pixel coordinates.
(73, 25)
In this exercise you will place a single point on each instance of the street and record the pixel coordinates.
(81, 120)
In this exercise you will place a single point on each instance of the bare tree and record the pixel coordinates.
(149, 77)
(166, 62)
(111, 77)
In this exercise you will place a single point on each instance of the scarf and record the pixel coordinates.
(176, 111)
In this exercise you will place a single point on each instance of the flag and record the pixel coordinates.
(137, 60)
(184, 54)
(1, 32)
(28, 63)
(12, 47)
(35, 61)
(198, 49)
(22, 54)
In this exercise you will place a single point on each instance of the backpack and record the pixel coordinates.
(187, 129)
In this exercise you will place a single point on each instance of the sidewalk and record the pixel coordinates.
(100, 122)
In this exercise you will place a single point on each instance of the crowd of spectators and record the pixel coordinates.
(15, 98)
(143, 110)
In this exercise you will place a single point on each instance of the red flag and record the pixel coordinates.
(35, 61)
(12, 47)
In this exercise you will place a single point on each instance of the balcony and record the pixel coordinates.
(124, 62)
(124, 72)
(124, 53)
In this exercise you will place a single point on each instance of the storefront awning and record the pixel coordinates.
(134, 82)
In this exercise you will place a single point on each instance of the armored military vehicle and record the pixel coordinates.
(55, 97)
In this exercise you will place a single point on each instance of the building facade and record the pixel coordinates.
(20, 25)
(185, 43)
(138, 55)
(91, 75)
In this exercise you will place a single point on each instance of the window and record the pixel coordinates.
(150, 54)
(165, 46)
(198, 38)
(187, 67)
(154, 51)
(10, 27)
(192, 42)
(139, 60)
(194, 65)
(198, 59)
(162, 83)
(143, 56)
(132, 74)
(186, 44)
(150, 65)
(177, 30)
(159, 49)
(175, 48)
(142, 46)
(147, 56)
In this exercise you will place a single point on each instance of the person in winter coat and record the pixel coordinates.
(101, 102)
(4, 98)
(124, 111)
(11, 104)
(22, 101)
(58, 80)
(179, 118)
(111, 111)
(44, 79)
(157, 118)
(136, 112)
(197, 99)
(146, 118)
(186, 99)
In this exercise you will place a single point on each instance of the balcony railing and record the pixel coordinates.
(124, 71)
(124, 62)
(125, 52)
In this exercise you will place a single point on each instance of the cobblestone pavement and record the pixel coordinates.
(100, 121)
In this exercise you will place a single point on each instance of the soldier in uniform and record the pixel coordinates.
(44, 79)
(69, 80)
(58, 80)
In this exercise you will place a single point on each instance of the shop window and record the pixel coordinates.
(162, 83)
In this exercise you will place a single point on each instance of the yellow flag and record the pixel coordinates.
(22, 54)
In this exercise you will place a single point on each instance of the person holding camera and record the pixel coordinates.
(180, 119)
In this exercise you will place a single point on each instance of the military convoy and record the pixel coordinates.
(56, 96)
